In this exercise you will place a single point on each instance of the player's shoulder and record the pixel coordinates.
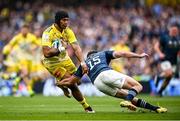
(108, 51)
(19, 35)
(164, 36)
(49, 29)
(101, 53)
(48, 32)
(68, 30)
(31, 35)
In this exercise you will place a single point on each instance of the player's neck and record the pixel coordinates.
(58, 28)
(24, 35)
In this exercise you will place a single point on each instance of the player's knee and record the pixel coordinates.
(168, 73)
(140, 87)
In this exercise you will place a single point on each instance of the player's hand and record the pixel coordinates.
(161, 56)
(78, 82)
(144, 55)
(61, 48)
(4, 57)
(3, 62)
(84, 67)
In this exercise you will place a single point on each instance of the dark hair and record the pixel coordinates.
(60, 15)
(175, 25)
(92, 52)
(25, 25)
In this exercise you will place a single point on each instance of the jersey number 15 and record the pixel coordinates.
(96, 60)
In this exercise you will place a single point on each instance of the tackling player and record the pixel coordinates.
(56, 60)
(112, 82)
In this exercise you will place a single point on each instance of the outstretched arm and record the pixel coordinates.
(118, 54)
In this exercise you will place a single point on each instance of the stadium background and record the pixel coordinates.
(99, 24)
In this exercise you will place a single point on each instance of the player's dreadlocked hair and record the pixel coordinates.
(92, 52)
(60, 15)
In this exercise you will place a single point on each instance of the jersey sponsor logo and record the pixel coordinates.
(45, 38)
(174, 44)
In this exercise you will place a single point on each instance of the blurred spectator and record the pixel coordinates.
(121, 45)
(167, 49)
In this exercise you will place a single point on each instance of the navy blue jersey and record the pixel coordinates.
(170, 47)
(96, 63)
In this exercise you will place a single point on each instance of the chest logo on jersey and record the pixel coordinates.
(174, 44)
(45, 37)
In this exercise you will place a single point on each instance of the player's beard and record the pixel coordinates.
(63, 26)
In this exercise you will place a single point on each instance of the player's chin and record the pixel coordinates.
(64, 27)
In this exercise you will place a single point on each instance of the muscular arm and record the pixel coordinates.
(7, 49)
(69, 81)
(77, 51)
(79, 55)
(50, 52)
(118, 54)
(158, 50)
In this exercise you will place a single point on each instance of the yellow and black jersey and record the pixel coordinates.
(52, 34)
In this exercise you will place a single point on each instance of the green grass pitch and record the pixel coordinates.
(62, 108)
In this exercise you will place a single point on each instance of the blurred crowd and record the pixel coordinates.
(130, 27)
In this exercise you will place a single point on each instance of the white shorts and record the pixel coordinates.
(109, 82)
(166, 65)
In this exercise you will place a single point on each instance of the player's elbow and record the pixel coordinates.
(119, 54)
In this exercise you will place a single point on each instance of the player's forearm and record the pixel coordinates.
(127, 55)
(53, 52)
(77, 51)
(50, 52)
(131, 55)
(68, 81)
(79, 55)
(157, 48)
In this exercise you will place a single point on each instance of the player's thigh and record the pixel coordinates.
(60, 69)
(25, 66)
(56, 69)
(104, 87)
(167, 68)
(130, 82)
(113, 78)
(69, 66)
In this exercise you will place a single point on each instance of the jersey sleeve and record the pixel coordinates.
(71, 36)
(79, 73)
(8, 47)
(162, 40)
(109, 54)
(46, 39)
